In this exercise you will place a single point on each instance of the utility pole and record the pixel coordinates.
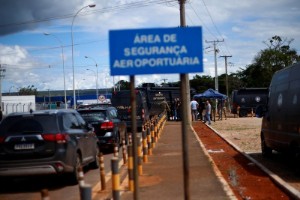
(225, 57)
(226, 81)
(186, 112)
(1, 77)
(216, 68)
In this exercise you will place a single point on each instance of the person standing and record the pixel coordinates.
(178, 109)
(194, 106)
(207, 113)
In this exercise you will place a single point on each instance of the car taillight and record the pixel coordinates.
(107, 125)
(2, 138)
(59, 137)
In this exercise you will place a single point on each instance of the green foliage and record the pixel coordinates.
(277, 56)
(123, 85)
(202, 83)
(29, 90)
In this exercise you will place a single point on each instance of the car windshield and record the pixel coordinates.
(29, 124)
(91, 116)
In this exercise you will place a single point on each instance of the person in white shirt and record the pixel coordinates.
(194, 107)
(207, 113)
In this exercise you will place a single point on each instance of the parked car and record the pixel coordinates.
(107, 125)
(281, 115)
(46, 142)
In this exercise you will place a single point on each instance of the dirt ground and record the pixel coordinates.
(244, 177)
(244, 132)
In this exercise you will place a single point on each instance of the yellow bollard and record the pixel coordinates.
(145, 146)
(45, 194)
(102, 172)
(130, 169)
(152, 136)
(80, 177)
(124, 151)
(149, 141)
(116, 150)
(115, 178)
(139, 155)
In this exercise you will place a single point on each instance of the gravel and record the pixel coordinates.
(243, 132)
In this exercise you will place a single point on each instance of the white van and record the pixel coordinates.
(280, 129)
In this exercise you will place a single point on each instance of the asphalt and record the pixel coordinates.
(163, 177)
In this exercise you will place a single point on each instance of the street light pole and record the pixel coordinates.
(97, 93)
(96, 79)
(74, 93)
(63, 63)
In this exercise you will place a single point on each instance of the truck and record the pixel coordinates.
(246, 100)
(121, 101)
(149, 102)
(280, 129)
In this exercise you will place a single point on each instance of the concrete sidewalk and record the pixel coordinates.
(163, 175)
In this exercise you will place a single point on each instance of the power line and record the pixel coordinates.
(209, 14)
(204, 24)
(215, 53)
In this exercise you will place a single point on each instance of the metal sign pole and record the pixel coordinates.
(186, 116)
(134, 137)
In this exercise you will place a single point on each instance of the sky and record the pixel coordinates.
(36, 37)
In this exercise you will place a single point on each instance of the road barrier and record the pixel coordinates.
(80, 176)
(85, 192)
(124, 151)
(152, 135)
(139, 156)
(149, 140)
(102, 171)
(155, 130)
(116, 150)
(130, 168)
(145, 145)
(115, 178)
(129, 138)
(45, 194)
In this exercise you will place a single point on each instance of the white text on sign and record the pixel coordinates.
(151, 39)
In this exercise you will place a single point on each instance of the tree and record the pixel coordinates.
(201, 83)
(276, 56)
(123, 85)
(29, 90)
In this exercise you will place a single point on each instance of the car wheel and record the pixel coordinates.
(95, 164)
(74, 176)
(243, 113)
(266, 151)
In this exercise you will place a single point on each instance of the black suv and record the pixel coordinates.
(107, 125)
(46, 142)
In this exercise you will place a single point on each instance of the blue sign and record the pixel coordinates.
(156, 51)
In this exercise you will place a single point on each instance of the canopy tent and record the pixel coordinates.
(210, 94)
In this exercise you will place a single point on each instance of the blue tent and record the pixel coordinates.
(210, 94)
